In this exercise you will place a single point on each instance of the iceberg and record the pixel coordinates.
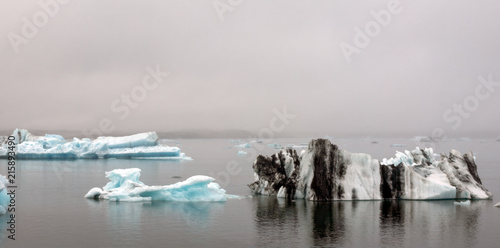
(242, 153)
(4, 199)
(53, 146)
(497, 205)
(125, 186)
(325, 172)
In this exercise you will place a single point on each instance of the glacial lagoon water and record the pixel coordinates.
(52, 212)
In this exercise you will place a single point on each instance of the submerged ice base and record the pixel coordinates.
(125, 186)
(52, 146)
(325, 172)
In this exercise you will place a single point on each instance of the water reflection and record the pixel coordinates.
(366, 223)
(133, 221)
(3, 228)
(329, 221)
(392, 217)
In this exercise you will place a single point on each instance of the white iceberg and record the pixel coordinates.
(125, 186)
(51, 146)
(4, 198)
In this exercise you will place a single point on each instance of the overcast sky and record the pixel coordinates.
(67, 66)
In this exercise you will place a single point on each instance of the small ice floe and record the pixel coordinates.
(497, 205)
(398, 145)
(246, 145)
(242, 153)
(462, 203)
(423, 139)
(275, 146)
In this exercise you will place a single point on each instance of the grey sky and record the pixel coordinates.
(231, 74)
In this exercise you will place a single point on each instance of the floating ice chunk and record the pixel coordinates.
(398, 145)
(275, 146)
(497, 205)
(242, 153)
(125, 186)
(422, 139)
(94, 193)
(51, 146)
(4, 199)
(462, 203)
(246, 145)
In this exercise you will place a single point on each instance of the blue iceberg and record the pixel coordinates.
(125, 186)
(53, 146)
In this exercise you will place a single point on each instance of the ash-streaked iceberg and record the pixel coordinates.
(52, 146)
(125, 186)
(325, 172)
(4, 198)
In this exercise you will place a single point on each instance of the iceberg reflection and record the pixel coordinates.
(367, 223)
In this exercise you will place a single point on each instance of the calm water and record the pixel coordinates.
(51, 210)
